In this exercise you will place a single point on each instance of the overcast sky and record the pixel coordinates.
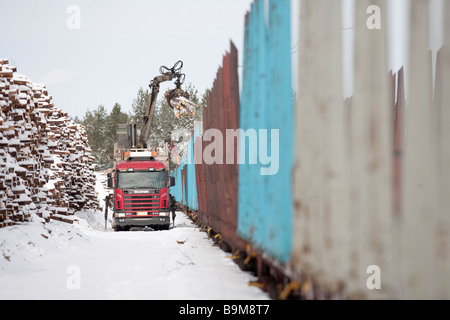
(119, 47)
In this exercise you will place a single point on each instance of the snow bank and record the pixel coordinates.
(24, 243)
(37, 260)
(177, 264)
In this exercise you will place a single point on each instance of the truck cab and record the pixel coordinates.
(141, 193)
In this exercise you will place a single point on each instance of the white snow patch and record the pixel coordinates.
(37, 260)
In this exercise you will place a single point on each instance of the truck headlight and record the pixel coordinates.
(163, 214)
(120, 215)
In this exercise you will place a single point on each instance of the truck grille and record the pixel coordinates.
(134, 203)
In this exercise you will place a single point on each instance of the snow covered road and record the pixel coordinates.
(180, 263)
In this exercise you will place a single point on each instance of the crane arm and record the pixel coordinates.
(176, 98)
(151, 102)
(166, 75)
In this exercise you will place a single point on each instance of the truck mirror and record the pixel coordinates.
(110, 181)
(171, 181)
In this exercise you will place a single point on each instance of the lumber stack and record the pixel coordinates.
(46, 166)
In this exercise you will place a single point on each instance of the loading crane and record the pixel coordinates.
(140, 178)
(177, 99)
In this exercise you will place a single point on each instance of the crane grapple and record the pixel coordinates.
(179, 101)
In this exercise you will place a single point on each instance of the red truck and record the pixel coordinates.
(141, 193)
(141, 181)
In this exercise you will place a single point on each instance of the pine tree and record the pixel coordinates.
(76, 119)
(94, 122)
(163, 123)
(139, 107)
(115, 117)
(166, 127)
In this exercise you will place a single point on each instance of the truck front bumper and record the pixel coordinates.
(141, 221)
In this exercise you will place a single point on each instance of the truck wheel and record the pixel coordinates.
(117, 228)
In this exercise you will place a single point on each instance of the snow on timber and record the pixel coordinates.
(37, 261)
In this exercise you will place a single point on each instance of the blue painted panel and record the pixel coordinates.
(187, 194)
(265, 200)
(176, 191)
(191, 192)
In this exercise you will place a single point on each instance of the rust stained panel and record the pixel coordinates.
(230, 98)
(215, 176)
(183, 185)
(398, 143)
(201, 182)
(217, 183)
(211, 170)
(206, 173)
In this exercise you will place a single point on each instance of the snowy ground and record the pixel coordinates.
(82, 261)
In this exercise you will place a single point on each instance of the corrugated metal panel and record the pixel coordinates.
(214, 171)
(442, 117)
(177, 191)
(343, 179)
(183, 185)
(201, 179)
(321, 252)
(399, 129)
(425, 228)
(371, 162)
(265, 201)
(185, 189)
(217, 182)
(371, 176)
(419, 164)
(191, 183)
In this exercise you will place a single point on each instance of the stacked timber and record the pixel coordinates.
(46, 167)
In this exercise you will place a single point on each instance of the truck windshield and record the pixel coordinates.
(142, 180)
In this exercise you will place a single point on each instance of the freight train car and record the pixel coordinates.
(206, 166)
(356, 205)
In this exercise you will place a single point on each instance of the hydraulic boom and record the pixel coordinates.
(176, 98)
